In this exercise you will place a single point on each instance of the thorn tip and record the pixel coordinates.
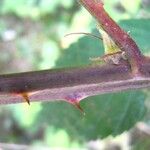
(26, 97)
(78, 106)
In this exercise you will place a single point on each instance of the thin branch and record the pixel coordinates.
(120, 37)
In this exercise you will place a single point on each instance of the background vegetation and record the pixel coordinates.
(32, 38)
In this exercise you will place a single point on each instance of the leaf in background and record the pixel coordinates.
(130, 6)
(33, 8)
(79, 53)
(105, 115)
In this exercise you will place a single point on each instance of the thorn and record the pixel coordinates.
(77, 105)
(26, 97)
(74, 99)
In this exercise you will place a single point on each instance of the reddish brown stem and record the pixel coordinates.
(74, 84)
(120, 37)
(70, 84)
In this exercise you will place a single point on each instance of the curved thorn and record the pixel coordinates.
(78, 106)
(26, 97)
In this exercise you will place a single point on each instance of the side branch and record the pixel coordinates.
(120, 37)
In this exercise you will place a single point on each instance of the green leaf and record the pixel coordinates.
(79, 53)
(105, 115)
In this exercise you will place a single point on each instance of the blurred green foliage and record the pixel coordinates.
(31, 38)
(33, 8)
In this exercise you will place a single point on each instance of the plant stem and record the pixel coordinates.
(120, 37)
(58, 84)
(75, 84)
